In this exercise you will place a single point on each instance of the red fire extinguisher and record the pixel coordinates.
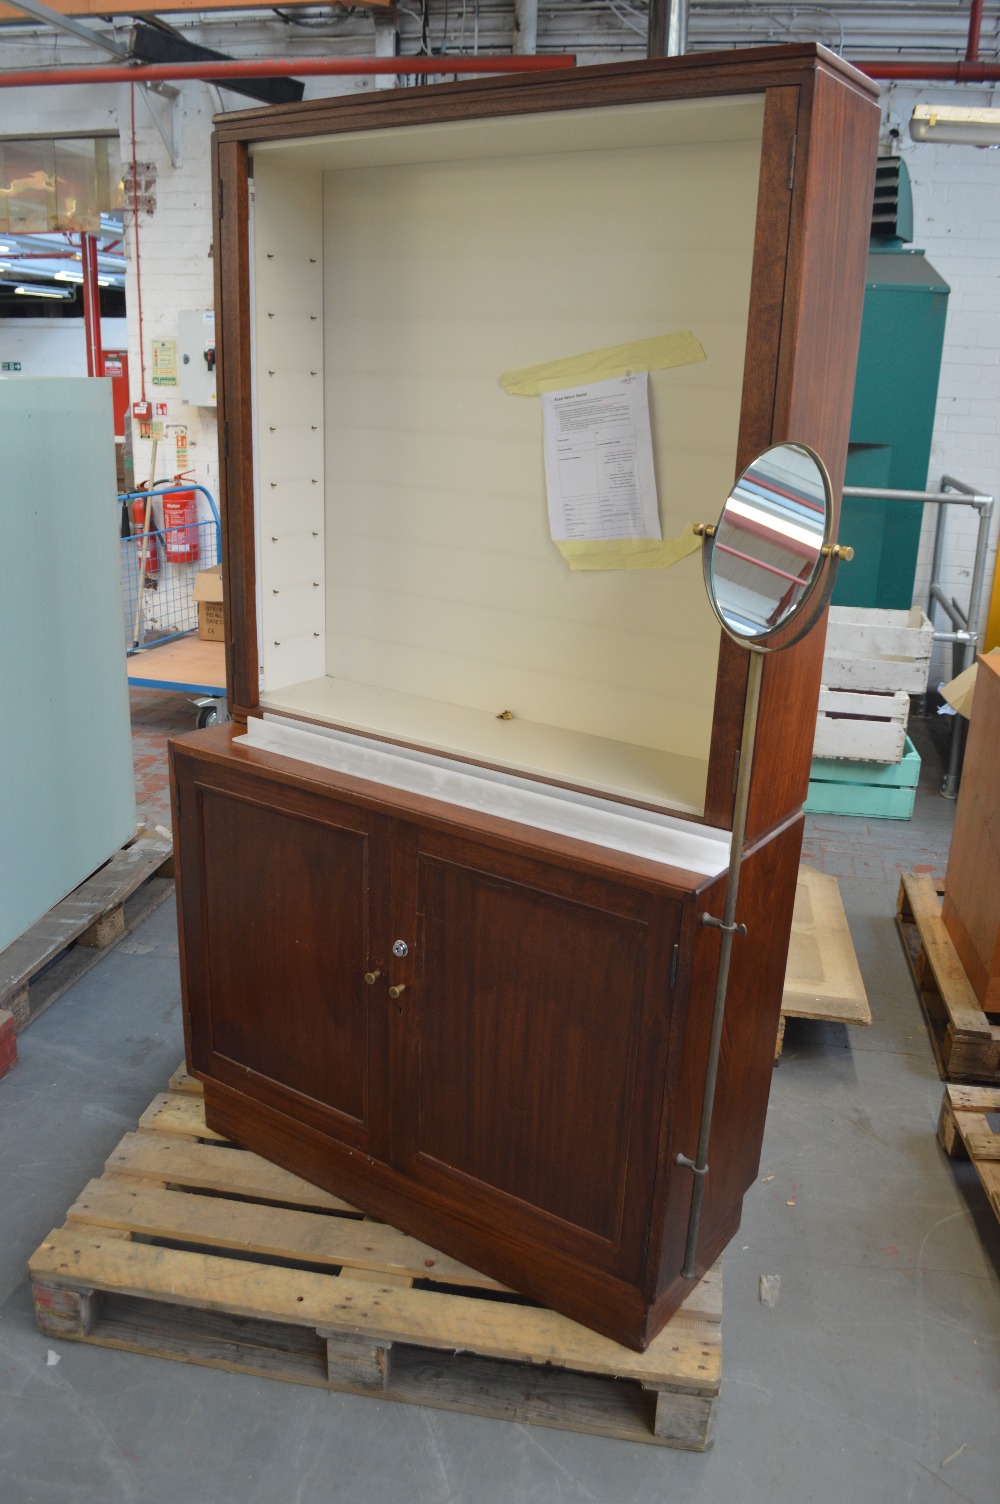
(180, 525)
(152, 558)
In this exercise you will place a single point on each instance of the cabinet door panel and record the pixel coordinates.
(535, 992)
(281, 913)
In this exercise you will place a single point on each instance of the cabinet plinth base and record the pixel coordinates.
(606, 1305)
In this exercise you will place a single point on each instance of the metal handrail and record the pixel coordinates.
(966, 636)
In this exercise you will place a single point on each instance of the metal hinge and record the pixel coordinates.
(221, 196)
(791, 163)
(225, 441)
(736, 770)
(673, 966)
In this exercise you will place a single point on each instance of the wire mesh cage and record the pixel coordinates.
(158, 571)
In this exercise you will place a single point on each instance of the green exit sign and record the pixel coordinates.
(10, 365)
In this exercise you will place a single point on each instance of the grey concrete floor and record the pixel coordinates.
(875, 1378)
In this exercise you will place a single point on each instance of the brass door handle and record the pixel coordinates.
(395, 992)
(371, 977)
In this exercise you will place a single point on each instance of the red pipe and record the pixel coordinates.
(91, 306)
(282, 68)
(955, 73)
(975, 31)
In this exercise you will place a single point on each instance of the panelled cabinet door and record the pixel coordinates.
(533, 1037)
(283, 908)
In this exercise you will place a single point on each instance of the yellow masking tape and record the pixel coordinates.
(628, 553)
(664, 350)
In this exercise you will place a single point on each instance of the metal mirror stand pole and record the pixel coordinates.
(729, 928)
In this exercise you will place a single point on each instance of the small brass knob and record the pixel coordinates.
(371, 977)
(839, 551)
(395, 992)
(703, 529)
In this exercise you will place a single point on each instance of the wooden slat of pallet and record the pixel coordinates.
(162, 1159)
(182, 1114)
(966, 1046)
(181, 1081)
(68, 940)
(964, 1132)
(81, 1259)
(270, 1232)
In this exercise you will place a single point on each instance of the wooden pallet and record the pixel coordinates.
(39, 966)
(969, 1128)
(189, 1248)
(965, 1040)
(822, 977)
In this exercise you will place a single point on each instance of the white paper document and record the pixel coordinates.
(599, 460)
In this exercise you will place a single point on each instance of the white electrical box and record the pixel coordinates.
(196, 356)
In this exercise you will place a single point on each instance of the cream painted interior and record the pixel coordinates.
(431, 587)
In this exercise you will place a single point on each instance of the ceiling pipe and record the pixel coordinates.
(975, 31)
(217, 73)
(953, 73)
(668, 28)
(525, 28)
(91, 306)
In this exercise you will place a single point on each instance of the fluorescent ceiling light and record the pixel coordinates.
(774, 524)
(69, 276)
(44, 292)
(955, 125)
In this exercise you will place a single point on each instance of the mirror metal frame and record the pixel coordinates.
(816, 596)
(799, 620)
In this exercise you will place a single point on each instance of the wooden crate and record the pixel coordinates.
(965, 1040)
(872, 649)
(38, 967)
(877, 791)
(254, 1270)
(869, 727)
(969, 1128)
(822, 977)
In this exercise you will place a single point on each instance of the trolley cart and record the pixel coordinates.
(160, 616)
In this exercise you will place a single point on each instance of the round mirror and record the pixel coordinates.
(766, 553)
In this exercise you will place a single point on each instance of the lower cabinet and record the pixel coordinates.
(482, 1033)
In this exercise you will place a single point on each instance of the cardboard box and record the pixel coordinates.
(958, 692)
(208, 595)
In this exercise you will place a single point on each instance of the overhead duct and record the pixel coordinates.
(155, 42)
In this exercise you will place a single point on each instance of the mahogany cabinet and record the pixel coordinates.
(447, 741)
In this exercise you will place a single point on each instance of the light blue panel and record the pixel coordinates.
(67, 799)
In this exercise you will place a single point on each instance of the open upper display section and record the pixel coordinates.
(407, 583)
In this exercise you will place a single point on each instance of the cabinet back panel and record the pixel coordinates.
(443, 580)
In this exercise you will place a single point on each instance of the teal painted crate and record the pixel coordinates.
(879, 790)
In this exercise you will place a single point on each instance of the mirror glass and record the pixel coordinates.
(767, 548)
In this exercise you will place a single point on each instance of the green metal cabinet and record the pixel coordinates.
(899, 361)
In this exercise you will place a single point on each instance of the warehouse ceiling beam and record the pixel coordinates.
(40, 12)
(364, 67)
